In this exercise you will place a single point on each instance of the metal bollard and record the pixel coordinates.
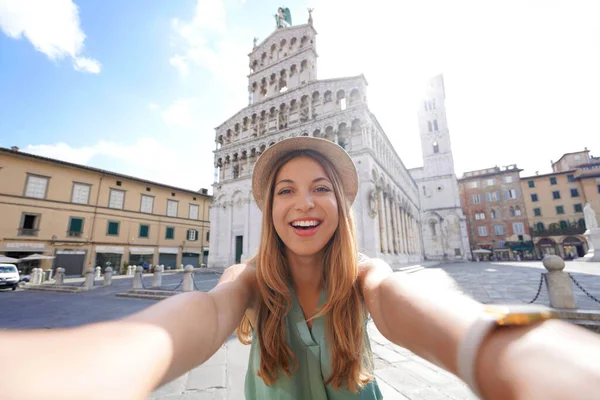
(188, 279)
(89, 279)
(137, 278)
(108, 276)
(157, 277)
(60, 276)
(558, 283)
(98, 272)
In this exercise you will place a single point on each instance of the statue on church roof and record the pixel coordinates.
(310, 19)
(283, 18)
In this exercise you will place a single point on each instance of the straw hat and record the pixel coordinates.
(336, 155)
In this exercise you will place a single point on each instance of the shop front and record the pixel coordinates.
(167, 256)
(573, 247)
(109, 256)
(547, 246)
(20, 250)
(73, 261)
(140, 255)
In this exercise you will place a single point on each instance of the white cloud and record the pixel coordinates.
(52, 27)
(153, 106)
(182, 113)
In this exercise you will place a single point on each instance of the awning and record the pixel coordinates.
(110, 249)
(9, 260)
(168, 250)
(34, 257)
(482, 251)
(141, 250)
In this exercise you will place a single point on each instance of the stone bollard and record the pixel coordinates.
(188, 279)
(157, 277)
(34, 276)
(98, 272)
(131, 270)
(137, 278)
(89, 279)
(558, 283)
(38, 276)
(60, 276)
(108, 276)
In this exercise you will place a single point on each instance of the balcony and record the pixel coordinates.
(74, 234)
(28, 232)
(556, 230)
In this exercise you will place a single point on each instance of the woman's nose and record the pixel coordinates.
(305, 201)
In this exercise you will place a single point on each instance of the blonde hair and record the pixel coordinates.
(344, 307)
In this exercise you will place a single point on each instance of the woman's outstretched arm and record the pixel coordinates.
(548, 360)
(128, 358)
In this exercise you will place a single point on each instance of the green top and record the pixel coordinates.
(314, 364)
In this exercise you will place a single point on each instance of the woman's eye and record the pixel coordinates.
(323, 189)
(284, 191)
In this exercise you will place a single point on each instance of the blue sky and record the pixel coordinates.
(138, 86)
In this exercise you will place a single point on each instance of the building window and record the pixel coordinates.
(144, 231)
(511, 194)
(553, 180)
(531, 184)
(81, 193)
(432, 229)
(499, 230)
(436, 147)
(192, 235)
(170, 232)
(208, 236)
(539, 226)
(435, 125)
(36, 187)
(512, 211)
(75, 227)
(482, 230)
(475, 199)
(479, 215)
(117, 198)
(194, 211)
(578, 208)
(473, 185)
(492, 196)
(570, 178)
(112, 229)
(556, 194)
(517, 211)
(429, 126)
(574, 193)
(489, 182)
(171, 208)
(537, 212)
(563, 224)
(457, 252)
(147, 204)
(560, 210)
(508, 179)
(581, 223)
(493, 214)
(534, 197)
(518, 228)
(30, 224)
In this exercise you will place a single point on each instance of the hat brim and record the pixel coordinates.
(337, 156)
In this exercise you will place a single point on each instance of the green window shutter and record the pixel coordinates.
(113, 228)
(144, 231)
(170, 234)
(76, 225)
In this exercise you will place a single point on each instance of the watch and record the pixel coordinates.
(494, 316)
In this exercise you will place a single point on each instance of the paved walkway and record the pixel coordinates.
(400, 374)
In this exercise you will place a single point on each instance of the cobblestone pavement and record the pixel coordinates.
(400, 373)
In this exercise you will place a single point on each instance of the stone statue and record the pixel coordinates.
(373, 203)
(283, 18)
(310, 20)
(590, 217)
(255, 40)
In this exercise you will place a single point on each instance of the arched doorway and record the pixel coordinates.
(573, 247)
(547, 246)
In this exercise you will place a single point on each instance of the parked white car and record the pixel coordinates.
(9, 276)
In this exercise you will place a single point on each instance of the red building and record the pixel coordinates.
(493, 204)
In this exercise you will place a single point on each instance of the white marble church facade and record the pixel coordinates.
(286, 100)
(444, 229)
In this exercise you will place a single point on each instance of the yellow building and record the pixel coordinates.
(554, 203)
(86, 217)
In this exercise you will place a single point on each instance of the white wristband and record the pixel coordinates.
(468, 349)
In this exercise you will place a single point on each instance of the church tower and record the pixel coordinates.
(286, 100)
(444, 225)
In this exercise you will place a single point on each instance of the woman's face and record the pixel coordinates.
(305, 211)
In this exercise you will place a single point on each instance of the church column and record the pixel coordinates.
(402, 249)
(388, 225)
(417, 237)
(412, 234)
(392, 219)
(380, 213)
(405, 229)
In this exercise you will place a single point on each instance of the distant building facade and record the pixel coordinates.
(87, 217)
